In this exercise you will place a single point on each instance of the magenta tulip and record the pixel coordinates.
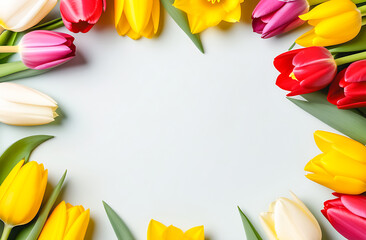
(347, 214)
(45, 49)
(273, 17)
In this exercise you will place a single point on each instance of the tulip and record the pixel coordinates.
(349, 88)
(80, 16)
(342, 165)
(347, 214)
(209, 13)
(334, 21)
(21, 194)
(66, 222)
(24, 106)
(158, 231)
(290, 219)
(305, 70)
(137, 18)
(273, 17)
(21, 15)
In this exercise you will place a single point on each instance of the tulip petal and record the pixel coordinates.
(355, 204)
(234, 15)
(265, 7)
(138, 13)
(173, 233)
(336, 92)
(79, 226)
(196, 233)
(155, 230)
(10, 178)
(267, 222)
(329, 9)
(56, 224)
(356, 72)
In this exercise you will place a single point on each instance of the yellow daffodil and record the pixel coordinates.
(334, 21)
(203, 14)
(342, 165)
(136, 18)
(21, 194)
(158, 231)
(66, 222)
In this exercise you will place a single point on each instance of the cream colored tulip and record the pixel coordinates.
(290, 219)
(20, 15)
(23, 106)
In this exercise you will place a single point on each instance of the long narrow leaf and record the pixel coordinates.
(348, 122)
(250, 230)
(119, 226)
(33, 230)
(53, 24)
(24, 74)
(181, 19)
(22, 149)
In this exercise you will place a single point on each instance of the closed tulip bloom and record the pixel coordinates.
(46, 49)
(137, 18)
(305, 70)
(273, 17)
(158, 231)
(21, 193)
(289, 220)
(347, 214)
(66, 222)
(23, 106)
(20, 15)
(203, 14)
(334, 22)
(349, 88)
(80, 16)
(342, 165)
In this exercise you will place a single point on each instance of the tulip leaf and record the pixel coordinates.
(33, 230)
(20, 150)
(356, 44)
(349, 122)
(7, 38)
(51, 25)
(119, 226)
(250, 231)
(181, 19)
(11, 68)
(23, 74)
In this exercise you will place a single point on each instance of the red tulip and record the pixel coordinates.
(349, 88)
(305, 70)
(347, 214)
(81, 15)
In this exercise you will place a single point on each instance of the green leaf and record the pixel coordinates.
(119, 227)
(7, 38)
(24, 74)
(51, 25)
(20, 150)
(250, 230)
(348, 122)
(33, 230)
(181, 19)
(7, 69)
(355, 45)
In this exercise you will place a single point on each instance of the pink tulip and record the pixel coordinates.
(81, 15)
(347, 214)
(46, 49)
(273, 17)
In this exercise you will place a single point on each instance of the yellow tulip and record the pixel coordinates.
(342, 165)
(334, 21)
(158, 231)
(66, 222)
(203, 14)
(136, 18)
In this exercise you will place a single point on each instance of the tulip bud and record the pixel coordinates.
(136, 18)
(347, 214)
(158, 231)
(305, 70)
(46, 49)
(66, 222)
(80, 16)
(348, 90)
(342, 165)
(21, 193)
(334, 21)
(21, 15)
(273, 17)
(24, 106)
(289, 220)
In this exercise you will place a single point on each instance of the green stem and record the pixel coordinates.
(10, 68)
(358, 1)
(350, 58)
(315, 2)
(6, 232)
(363, 21)
(362, 10)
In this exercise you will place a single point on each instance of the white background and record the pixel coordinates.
(161, 131)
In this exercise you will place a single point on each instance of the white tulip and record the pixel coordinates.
(20, 15)
(290, 220)
(23, 106)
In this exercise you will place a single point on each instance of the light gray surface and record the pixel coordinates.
(160, 131)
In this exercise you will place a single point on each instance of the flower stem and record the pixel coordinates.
(362, 10)
(6, 232)
(358, 1)
(1, 29)
(315, 2)
(9, 49)
(350, 58)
